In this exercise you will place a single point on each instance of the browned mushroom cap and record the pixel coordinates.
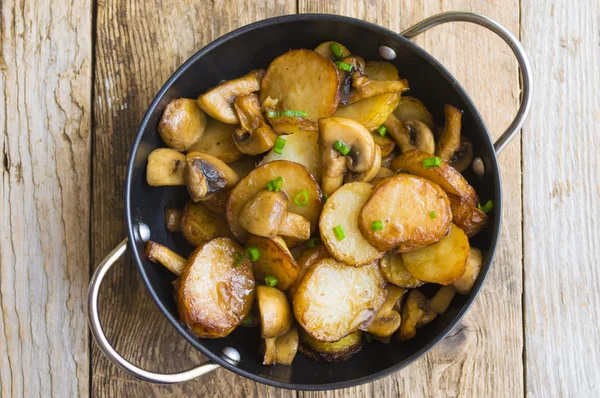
(463, 157)
(370, 174)
(280, 350)
(449, 141)
(206, 175)
(410, 134)
(254, 136)
(166, 167)
(359, 159)
(218, 101)
(182, 124)
(266, 215)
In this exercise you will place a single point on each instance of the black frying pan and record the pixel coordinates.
(255, 46)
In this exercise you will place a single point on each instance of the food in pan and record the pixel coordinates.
(321, 202)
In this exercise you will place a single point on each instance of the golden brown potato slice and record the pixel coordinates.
(275, 260)
(215, 292)
(440, 302)
(173, 219)
(393, 269)
(166, 257)
(296, 179)
(324, 351)
(412, 212)
(324, 50)
(413, 108)
(166, 167)
(301, 147)
(302, 80)
(467, 216)
(182, 124)
(275, 313)
(245, 165)
(304, 261)
(387, 320)
(199, 224)
(218, 101)
(292, 124)
(465, 283)
(334, 300)
(443, 262)
(386, 143)
(217, 141)
(281, 350)
(445, 175)
(412, 312)
(372, 112)
(341, 211)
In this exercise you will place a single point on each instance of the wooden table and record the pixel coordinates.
(76, 77)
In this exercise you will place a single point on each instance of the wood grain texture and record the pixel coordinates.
(482, 356)
(560, 198)
(45, 87)
(138, 45)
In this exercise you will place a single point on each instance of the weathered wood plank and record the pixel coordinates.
(45, 97)
(560, 199)
(139, 44)
(483, 355)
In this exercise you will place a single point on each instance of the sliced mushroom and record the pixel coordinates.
(275, 312)
(281, 350)
(449, 142)
(387, 320)
(368, 175)
(266, 215)
(254, 136)
(166, 257)
(207, 175)
(410, 134)
(359, 159)
(218, 101)
(463, 157)
(182, 124)
(166, 167)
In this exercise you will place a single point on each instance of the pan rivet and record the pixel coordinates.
(144, 232)
(387, 53)
(478, 167)
(231, 355)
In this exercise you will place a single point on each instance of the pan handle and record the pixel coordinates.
(515, 46)
(109, 351)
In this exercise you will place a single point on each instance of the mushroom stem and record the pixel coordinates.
(254, 136)
(410, 134)
(295, 225)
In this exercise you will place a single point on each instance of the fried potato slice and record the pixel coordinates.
(342, 209)
(467, 216)
(443, 262)
(199, 224)
(214, 293)
(300, 147)
(275, 260)
(304, 261)
(393, 269)
(217, 141)
(296, 179)
(334, 300)
(274, 310)
(292, 124)
(465, 283)
(445, 175)
(324, 351)
(413, 108)
(414, 211)
(302, 80)
(372, 112)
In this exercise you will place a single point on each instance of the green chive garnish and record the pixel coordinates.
(343, 66)
(339, 232)
(432, 214)
(341, 147)
(382, 131)
(279, 144)
(247, 320)
(271, 114)
(313, 242)
(432, 162)
(270, 280)
(252, 253)
(238, 259)
(301, 199)
(325, 196)
(275, 185)
(336, 50)
(288, 113)
(377, 225)
(487, 207)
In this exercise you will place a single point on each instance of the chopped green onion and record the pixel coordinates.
(270, 280)
(275, 185)
(279, 144)
(401, 171)
(432, 214)
(252, 253)
(313, 242)
(487, 207)
(343, 66)
(325, 196)
(301, 199)
(341, 147)
(382, 131)
(339, 232)
(368, 337)
(286, 113)
(247, 320)
(271, 114)
(377, 225)
(432, 162)
(336, 50)
(239, 259)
